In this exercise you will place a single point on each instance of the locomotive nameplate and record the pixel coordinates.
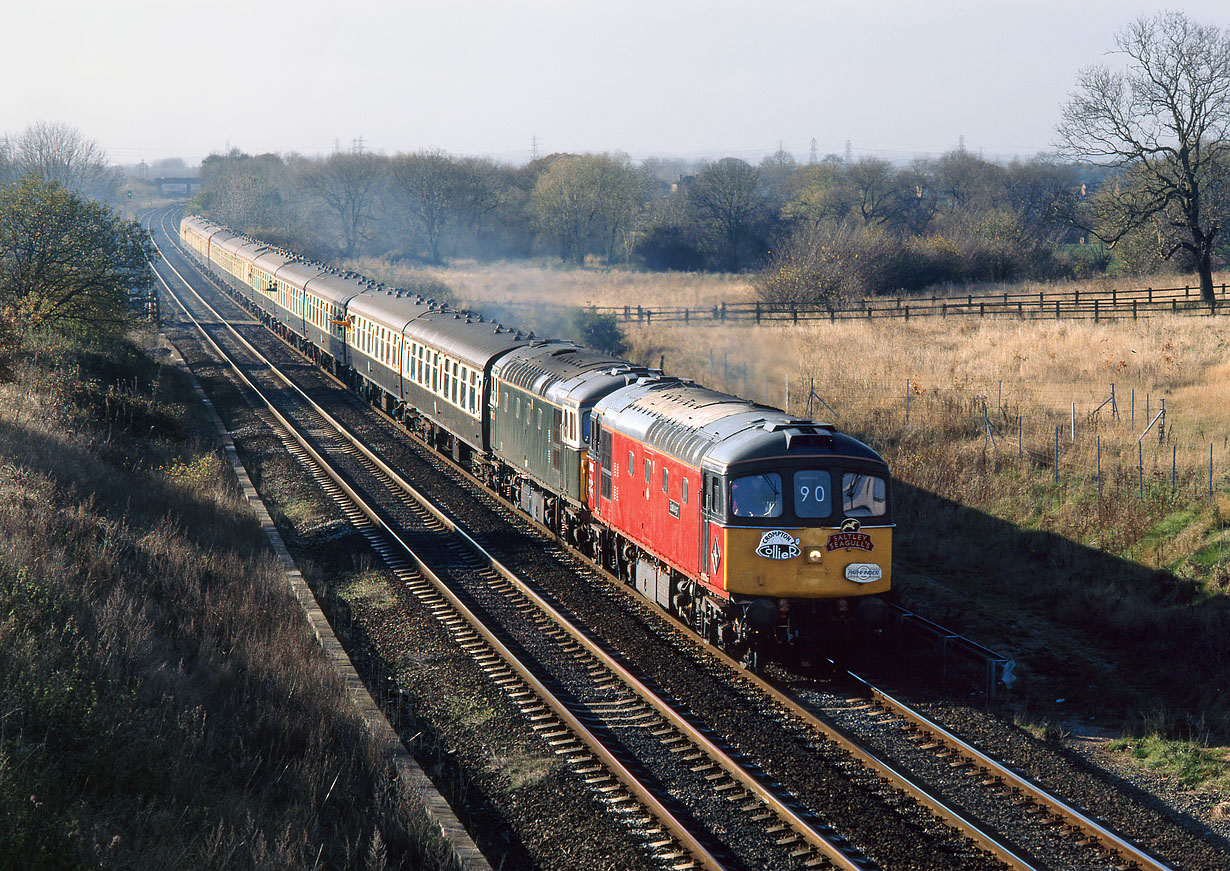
(778, 544)
(849, 541)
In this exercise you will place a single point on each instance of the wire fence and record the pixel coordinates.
(1121, 439)
(1103, 304)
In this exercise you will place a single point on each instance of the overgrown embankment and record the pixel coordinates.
(162, 702)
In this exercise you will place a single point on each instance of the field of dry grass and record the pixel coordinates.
(164, 705)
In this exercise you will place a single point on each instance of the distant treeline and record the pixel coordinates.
(811, 232)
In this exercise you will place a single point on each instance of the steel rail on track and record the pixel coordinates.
(1104, 836)
(834, 854)
(677, 830)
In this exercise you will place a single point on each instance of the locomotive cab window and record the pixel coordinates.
(813, 495)
(631, 464)
(758, 495)
(863, 495)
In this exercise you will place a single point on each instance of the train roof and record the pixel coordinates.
(299, 272)
(465, 335)
(272, 259)
(697, 424)
(387, 306)
(563, 372)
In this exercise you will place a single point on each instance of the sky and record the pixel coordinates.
(149, 79)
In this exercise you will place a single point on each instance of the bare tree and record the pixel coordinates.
(1164, 120)
(348, 184)
(58, 153)
(876, 187)
(580, 197)
(428, 186)
(727, 195)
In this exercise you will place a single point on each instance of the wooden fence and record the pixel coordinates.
(1095, 305)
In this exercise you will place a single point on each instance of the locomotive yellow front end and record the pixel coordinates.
(801, 546)
(810, 562)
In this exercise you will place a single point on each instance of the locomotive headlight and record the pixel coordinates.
(813, 555)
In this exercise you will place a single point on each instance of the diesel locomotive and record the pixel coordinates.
(764, 532)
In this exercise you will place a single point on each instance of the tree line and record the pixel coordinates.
(729, 215)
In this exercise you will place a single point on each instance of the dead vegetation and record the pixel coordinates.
(163, 704)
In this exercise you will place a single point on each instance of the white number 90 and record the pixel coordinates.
(818, 494)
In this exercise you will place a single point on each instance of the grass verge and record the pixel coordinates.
(163, 704)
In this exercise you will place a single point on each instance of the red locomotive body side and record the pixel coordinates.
(648, 504)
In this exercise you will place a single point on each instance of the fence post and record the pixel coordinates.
(982, 309)
(648, 316)
(1114, 298)
(1133, 309)
(1099, 467)
(907, 312)
(1210, 471)
(1073, 421)
(640, 314)
(1174, 459)
(1056, 455)
(907, 400)
(723, 311)
(1056, 309)
(1095, 310)
(757, 312)
(627, 313)
(794, 312)
(1020, 454)
(685, 314)
(1140, 468)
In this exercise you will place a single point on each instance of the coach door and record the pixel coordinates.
(557, 428)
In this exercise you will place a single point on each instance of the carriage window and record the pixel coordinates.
(648, 469)
(812, 493)
(863, 495)
(631, 464)
(684, 484)
(757, 495)
(666, 477)
(540, 418)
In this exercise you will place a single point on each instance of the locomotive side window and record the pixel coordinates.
(863, 495)
(648, 470)
(631, 464)
(757, 495)
(813, 495)
(666, 476)
(684, 484)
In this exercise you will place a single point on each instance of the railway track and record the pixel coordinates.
(586, 705)
(609, 701)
